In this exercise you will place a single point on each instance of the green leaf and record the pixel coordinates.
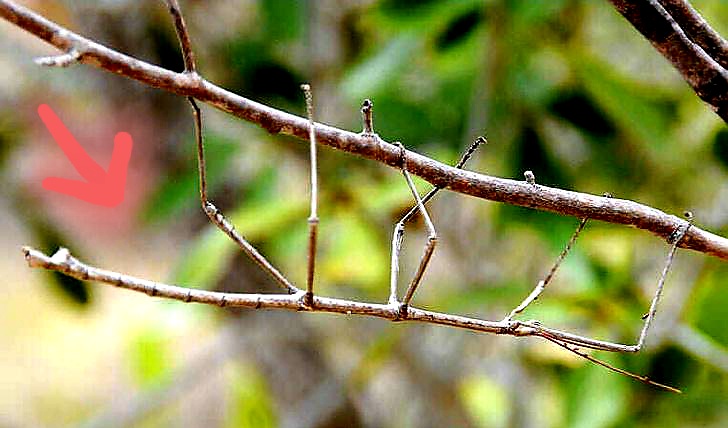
(708, 306)
(283, 19)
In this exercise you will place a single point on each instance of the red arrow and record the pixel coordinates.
(101, 187)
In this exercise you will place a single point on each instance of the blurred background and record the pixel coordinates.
(567, 89)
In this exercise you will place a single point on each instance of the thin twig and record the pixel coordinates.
(313, 219)
(514, 192)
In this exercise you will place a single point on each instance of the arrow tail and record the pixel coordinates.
(84, 164)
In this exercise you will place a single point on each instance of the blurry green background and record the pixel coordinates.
(564, 88)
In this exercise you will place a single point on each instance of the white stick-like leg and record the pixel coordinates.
(398, 234)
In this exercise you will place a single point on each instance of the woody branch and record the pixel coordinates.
(521, 193)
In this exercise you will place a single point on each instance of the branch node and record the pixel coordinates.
(308, 300)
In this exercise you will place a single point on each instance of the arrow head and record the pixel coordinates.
(101, 187)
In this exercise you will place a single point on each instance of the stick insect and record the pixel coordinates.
(569, 341)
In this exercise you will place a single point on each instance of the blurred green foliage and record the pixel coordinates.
(564, 88)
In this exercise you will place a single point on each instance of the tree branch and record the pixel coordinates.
(580, 205)
(686, 52)
(698, 30)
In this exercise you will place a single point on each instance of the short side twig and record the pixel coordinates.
(63, 60)
(367, 117)
(183, 35)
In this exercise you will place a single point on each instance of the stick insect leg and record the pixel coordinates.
(541, 286)
(313, 219)
(676, 237)
(212, 212)
(431, 238)
(217, 218)
(398, 234)
(590, 343)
